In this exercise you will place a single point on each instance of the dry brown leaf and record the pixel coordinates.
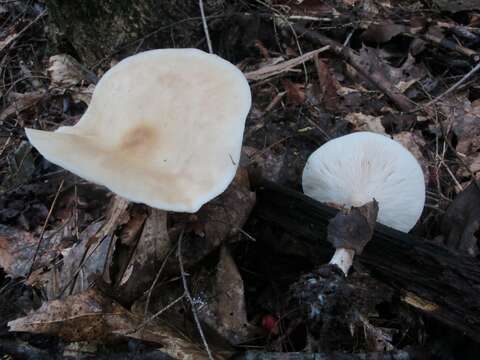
(463, 118)
(90, 316)
(17, 250)
(295, 92)
(81, 317)
(231, 311)
(219, 299)
(83, 94)
(473, 163)
(466, 120)
(83, 262)
(402, 77)
(146, 257)
(217, 221)
(363, 122)
(64, 71)
(328, 85)
(381, 33)
(21, 102)
(88, 258)
(129, 232)
(461, 221)
(73, 274)
(414, 142)
(226, 214)
(264, 164)
(378, 339)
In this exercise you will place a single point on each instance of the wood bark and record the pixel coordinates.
(95, 30)
(432, 278)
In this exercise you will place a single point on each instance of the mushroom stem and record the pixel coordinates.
(343, 258)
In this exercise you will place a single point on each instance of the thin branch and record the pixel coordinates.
(157, 314)
(205, 27)
(6, 45)
(44, 227)
(454, 86)
(375, 76)
(154, 283)
(189, 297)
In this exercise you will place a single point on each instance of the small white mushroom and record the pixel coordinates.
(353, 170)
(164, 128)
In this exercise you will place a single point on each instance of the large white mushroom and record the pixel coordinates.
(353, 170)
(164, 128)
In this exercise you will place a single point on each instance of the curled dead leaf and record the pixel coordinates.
(87, 259)
(17, 249)
(21, 102)
(295, 92)
(414, 142)
(461, 221)
(217, 221)
(91, 316)
(139, 267)
(328, 85)
(65, 71)
(225, 309)
(466, 117)
(363, 122)
(83, 94)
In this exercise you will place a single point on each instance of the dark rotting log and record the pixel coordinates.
(432, 278)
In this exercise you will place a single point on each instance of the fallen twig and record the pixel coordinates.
(157, 277)
(453, 87)
(450, 45)
(348, 55)
(205, 27)
(272, 70)
(154, 316)
(44, 227)
(11, 40)
(189, 297)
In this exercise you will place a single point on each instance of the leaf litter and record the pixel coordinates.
(100, 255)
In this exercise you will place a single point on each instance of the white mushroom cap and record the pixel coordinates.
(164, 128)
(354, 169)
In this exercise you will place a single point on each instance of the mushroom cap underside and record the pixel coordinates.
(354, 169)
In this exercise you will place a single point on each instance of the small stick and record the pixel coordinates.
(189, 297)
(348, 55)
(205, 27)
(454, 86)
(14, 38)
(44, 227)
(157, 314)
(448, 44)
(157, 277)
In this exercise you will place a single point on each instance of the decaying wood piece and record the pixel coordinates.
(391, 355)
(348, 55)
(435, 280)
